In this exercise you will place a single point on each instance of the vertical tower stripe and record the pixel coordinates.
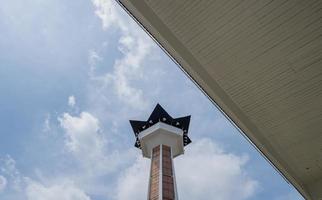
(154, 174)
(168, 192)
(160, 173)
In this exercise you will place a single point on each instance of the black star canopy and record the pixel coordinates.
(160, 115)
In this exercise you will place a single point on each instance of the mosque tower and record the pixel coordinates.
(161, 138)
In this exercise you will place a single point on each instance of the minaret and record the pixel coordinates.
(161, 138)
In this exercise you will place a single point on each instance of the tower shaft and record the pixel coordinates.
(162, 184)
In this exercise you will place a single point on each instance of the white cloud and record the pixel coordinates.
(82, 135)
(93, 59)
(108, 12)
(71, 101)
(13, 176)
(3, 183)
(65, 190)
(135, 46)
(95, 161)
(130, 68)
(216, 173)
(84, 139)
(133, 183)
(46, 125)
(204, 171)
(57, 188)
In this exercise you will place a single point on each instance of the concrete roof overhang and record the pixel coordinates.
(260, 62)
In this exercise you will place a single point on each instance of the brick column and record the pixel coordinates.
(162, 183)
(155, 174)
(168, 192)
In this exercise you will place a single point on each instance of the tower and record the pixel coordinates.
(161, 138)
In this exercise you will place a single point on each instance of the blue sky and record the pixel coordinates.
(72, 73)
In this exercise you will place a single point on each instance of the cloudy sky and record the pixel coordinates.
(72, 73)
